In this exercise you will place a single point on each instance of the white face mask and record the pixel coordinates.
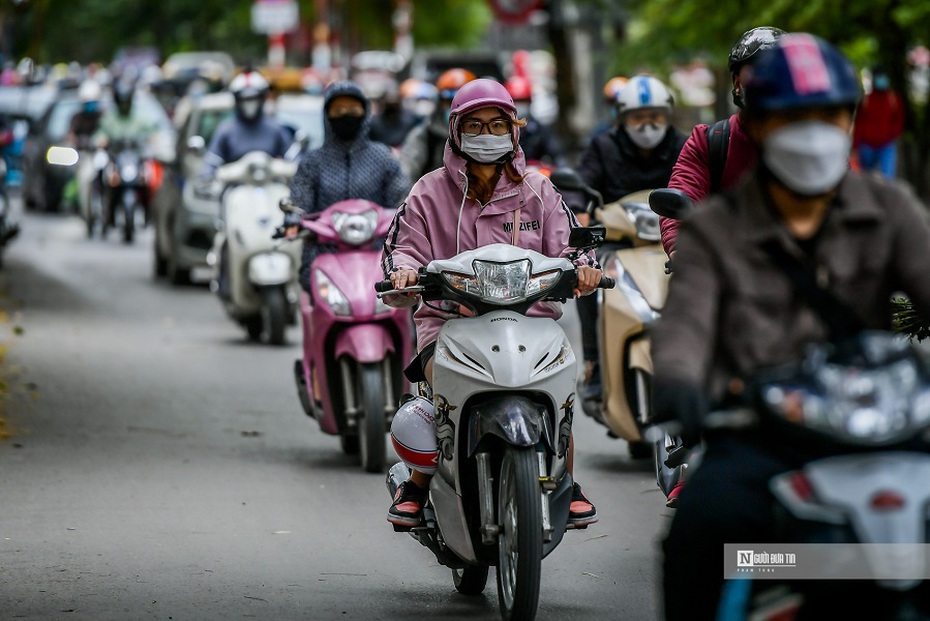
(487, 148)
(251, 108)
(647, 135)
(808, 157)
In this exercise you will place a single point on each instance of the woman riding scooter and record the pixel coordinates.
(480, 196)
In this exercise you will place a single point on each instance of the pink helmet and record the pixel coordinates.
(477, 94)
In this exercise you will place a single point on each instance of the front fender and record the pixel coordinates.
(514, 418)
(364, 342)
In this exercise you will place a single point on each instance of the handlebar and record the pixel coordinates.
(385, 286)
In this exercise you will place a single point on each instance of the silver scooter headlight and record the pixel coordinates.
(502, 283)
(614, 268)
(870, 406)
(355, 228)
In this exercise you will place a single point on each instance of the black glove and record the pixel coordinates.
(291, 219)
(679, 401)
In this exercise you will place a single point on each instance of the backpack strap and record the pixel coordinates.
(718, 143)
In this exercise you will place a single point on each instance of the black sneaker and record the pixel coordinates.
(407, 508)
(581, 513)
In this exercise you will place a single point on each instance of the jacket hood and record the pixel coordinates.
(349, 89)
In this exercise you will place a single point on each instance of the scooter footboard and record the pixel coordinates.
(516, 419)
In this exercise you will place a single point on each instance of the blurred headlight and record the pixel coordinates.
(62, 156)
(355, 229)
(331, 294)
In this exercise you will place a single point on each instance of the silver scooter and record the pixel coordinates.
(504, 398)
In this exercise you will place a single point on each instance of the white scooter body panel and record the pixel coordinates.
(251, 215)
(492, 353)
(845, 488)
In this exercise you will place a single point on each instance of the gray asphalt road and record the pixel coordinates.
(161, 468)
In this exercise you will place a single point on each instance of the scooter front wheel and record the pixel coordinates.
(519, 543)
(274, 315)
(372, 425)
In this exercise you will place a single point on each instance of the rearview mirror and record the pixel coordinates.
(568, 179)
(587, 237)
(669, 203)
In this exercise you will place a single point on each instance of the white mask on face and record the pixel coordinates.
(487, 148)
(251, 108)
(647, 135)
(808, 157)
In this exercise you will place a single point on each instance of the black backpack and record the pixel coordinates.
(718, 143)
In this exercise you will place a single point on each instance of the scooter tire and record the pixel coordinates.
(373, 425)
(641, 450)
(520, 551)
(274, 316)
(471, 579)
(350, 444)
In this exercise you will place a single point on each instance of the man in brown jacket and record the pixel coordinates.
(732, 309)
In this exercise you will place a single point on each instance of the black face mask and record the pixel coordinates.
(346, 127)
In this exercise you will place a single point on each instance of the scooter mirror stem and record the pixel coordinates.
(287, 206)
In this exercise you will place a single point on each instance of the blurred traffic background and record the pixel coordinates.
(563, 53)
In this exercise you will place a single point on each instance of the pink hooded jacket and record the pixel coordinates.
(437, 221)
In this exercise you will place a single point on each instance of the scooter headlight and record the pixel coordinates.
(331, 294)
(356, 228)
(625, 283)
(864, 406)
(62, 156)
(129, 173)
(503, 283)
(646, 222)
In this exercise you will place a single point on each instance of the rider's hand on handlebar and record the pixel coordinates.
(290, 232)
(402, 278)
(588, 279)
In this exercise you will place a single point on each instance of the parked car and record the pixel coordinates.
(50, 162)
(185, 219)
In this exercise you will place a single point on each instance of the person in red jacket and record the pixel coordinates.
(699, 172)
(879, 123)
(716, 156)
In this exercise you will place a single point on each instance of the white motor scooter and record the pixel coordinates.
(504, 394)
(261, 274)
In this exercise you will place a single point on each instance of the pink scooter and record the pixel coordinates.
(355, 346)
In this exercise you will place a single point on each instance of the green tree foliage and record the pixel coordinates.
(93, 30)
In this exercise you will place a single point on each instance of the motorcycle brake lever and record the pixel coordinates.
(413, 289)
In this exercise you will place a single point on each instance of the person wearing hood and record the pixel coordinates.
(477, 197)
(347, 165)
